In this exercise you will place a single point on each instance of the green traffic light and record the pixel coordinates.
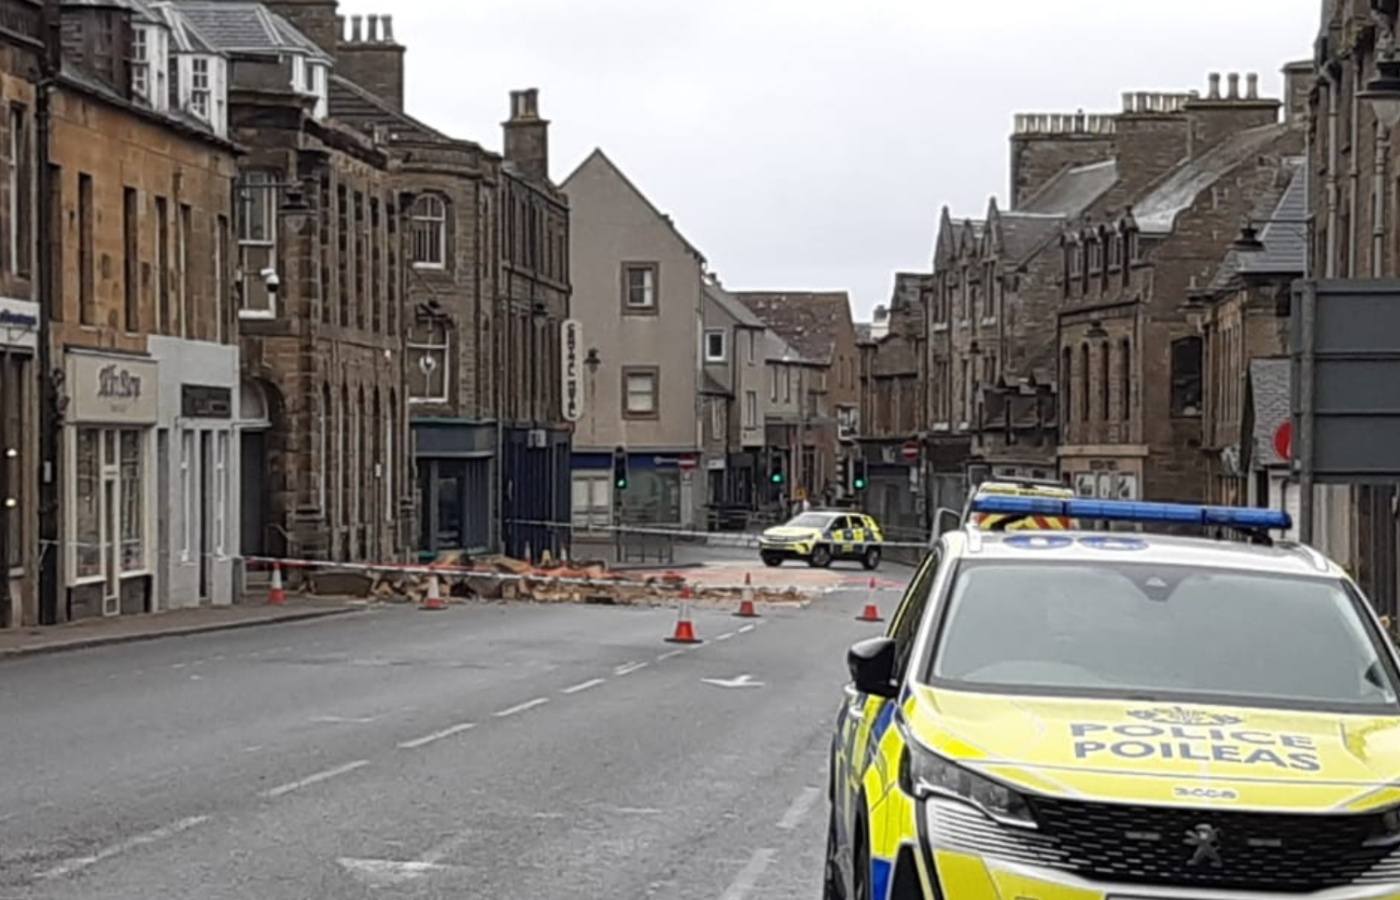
(622, 484)
(777, 478)
(860, 484)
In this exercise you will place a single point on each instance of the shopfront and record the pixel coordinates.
(19, 435)
(109, 491)
(454, 460)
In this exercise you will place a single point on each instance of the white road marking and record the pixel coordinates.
(747, 879)
(436, 736)
(79, 863)
(521, 707)
(314, 779)
(741, 681)
(746, 629)
(582, 686)
(342, 720)
(637, 810)
(629, 668)
(178, 666)
(669, 654)
(385, 872)
(726, 636)
(799, 809)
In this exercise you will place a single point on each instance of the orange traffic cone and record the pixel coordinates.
(434, 599)
(746, 609)
(276, 595)
(872, 612)
(685, 628)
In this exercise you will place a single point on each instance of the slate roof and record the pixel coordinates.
(864, 333)
(353, 103)
(1285, 238)
(805, 319)
(1073, 190)
(241, 25)
(1271, 389)
(711, 385)
(1157, 212)
(736, 310)
(1022, 234)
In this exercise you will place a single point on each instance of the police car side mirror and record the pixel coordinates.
(872, 667)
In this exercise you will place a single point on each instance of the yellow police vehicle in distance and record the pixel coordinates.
(1062, 715)
(821, 536)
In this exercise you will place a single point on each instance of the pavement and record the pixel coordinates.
(489, 750)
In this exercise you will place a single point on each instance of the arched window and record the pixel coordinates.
(378, 467)
(344, 428)
(391, 462)
(429, 216)
(362, 490)
(1125, 381)
(323, 449)
(1084, 382)
(1104, 383)
(1066, 389)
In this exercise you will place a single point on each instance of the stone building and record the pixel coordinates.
(819, 327)
(1131, 361)
(323, 256)
(21, 49)
(734, 409)
(141, 173)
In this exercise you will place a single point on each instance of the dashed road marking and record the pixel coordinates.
(315, 779)
(746, 629)
(799, 809)
(670, 654)
(79, 863)
(436, 736)
(582, 686)
(726, 636)
(747, 879)
(521, 707)
(343, 720)
(629, 668)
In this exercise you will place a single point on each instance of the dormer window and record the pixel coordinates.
(141, 64)
(199, 88)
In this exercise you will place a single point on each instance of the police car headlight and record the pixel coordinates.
(925, 774)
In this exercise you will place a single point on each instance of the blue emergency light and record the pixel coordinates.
(1133, 511)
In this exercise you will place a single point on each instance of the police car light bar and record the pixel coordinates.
(1132, 511)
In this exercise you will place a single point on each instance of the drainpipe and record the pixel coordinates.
(49, 379)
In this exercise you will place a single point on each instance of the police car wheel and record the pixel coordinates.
(771, 559)
(820, 558)
(870, 559)
(833, 888)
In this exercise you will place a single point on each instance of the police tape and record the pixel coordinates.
(713, 538)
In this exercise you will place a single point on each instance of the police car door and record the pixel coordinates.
(843, 535)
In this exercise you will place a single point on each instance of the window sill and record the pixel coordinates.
(430, 267)
(715, 360)
(991, 320)
(940, 326)
(257, 315)
(640, 311)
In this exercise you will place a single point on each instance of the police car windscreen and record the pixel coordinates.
(811, 520)
(1159, 632)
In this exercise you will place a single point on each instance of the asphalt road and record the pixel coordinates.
(530, 751)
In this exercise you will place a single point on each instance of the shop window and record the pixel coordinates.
(133, 521)
(108, 533)
(187, 482)
(15, 379)
(87, 481)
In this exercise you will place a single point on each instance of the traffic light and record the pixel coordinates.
(862, 480)
(620, 468)
(775, 469)
(843, 472)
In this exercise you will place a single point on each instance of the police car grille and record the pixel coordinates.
(1254, 851)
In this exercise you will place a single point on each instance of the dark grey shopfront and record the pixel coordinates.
(455, 460)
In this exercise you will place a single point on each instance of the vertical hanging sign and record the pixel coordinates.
(571, 344)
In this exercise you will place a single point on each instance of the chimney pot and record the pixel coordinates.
(1214, 86)
(388, 23)
(1252, 92)
(356, 35)
(1127, 101)
(341, 28)
(1234, 85)
(373, 29)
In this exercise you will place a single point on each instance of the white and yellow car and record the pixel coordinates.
(1060, 715)
(819, 537)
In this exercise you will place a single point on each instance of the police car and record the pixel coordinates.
(821, 536)
(1060, 714)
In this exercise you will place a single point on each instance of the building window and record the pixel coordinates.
(429, 216)
(639, 387)
(323, 448)
(753, 347)
(343, 429)
(87, 480)
(187, 483)
(716, 418)
(15, 379)
(257, 243)
(1084, 383)
(200, 92)
(714, 347)
(87, 298)
(109, 528)
(428, 357)
(362, 297)
(220, 280)
(1186, 377)
(140, 64)
(1066, 386)
(639, 285)
(19, 225)
(1104, 383)
(391, 455)
(1125, 381)
(1076, 260)
(773, 383)
(787, 384)
(163, 265)
(186, 226)
(751, 409)
(220, 491)
(131, 241)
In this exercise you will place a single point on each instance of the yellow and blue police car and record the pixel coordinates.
(821, 536)
(1060, 715)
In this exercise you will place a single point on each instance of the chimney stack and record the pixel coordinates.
(1252, 92)
(356, 35)
(374, 61)
(527, 136)
(1234, 85)
(1216, 118)
(1214, 86)
(388, 23)
(373, 36)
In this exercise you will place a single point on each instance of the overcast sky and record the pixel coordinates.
(811, 143)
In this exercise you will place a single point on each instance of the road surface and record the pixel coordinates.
(549, 751)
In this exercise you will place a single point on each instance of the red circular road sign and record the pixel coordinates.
(910, 451)
(1283, 440)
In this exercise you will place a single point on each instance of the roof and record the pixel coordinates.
(1283, 558)
(599, 157)
(240, 25)
(805, 319)
(187, 38)
(351, 102)
(864, 332)
(736, 310)
(711, 385)
(1271, 392)
(1073, 190)
(1285, 237)
(1022, 234)
(1157, 212)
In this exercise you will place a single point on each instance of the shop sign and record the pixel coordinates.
(118, 389)
(19, 323)
(199, 401)
(571, 343)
